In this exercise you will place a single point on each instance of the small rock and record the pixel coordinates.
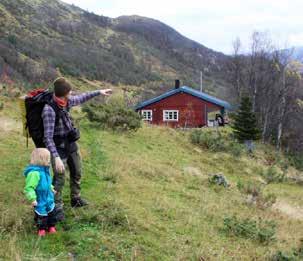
(71, 256)
(198, 150)
(261, 180)
(192, 171)
(251, 200)
(297, 179)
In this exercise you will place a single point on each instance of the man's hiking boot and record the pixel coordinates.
(41, 232)
(52, 230)
(78, 202)
(59, 213)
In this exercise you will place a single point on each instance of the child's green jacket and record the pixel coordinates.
(38, 186)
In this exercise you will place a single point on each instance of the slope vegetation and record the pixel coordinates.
(40, 38)
(151, 199)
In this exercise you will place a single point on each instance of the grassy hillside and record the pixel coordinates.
(150, 200)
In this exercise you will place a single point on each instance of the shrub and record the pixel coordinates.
(208, 140)
(258, 198)
(293, 255)
(270, 157)
(114, 115)
(110, 178)
(12, 39)
(280, 256)
(296, 160)
(251, 188)
(279, 159)
(1, 106)
(272, 175)
(108, 214)
(261, 231)
(284, 166)
(266, 201)
(216, 140)
(195, 136)
(236, 149)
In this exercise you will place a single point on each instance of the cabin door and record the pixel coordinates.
(204, 115)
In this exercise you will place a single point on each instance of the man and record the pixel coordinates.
(60, 138)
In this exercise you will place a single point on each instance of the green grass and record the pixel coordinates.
(144, 205)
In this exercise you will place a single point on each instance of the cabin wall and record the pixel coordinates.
(192, 110)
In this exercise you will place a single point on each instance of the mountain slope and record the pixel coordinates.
(39, 36)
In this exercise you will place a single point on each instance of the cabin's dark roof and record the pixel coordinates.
(187, 90)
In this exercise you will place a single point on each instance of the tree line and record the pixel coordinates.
(272, 79)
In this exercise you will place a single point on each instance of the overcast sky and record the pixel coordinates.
(214, 23)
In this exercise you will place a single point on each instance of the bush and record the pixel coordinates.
(1, 106)
(251, 188)
(284, 165)
(266, 201)
(208, 140)
(216, 141)
(258, 198)
(108, 214)
(272, 175)
(12, 39)
(236, 149)
(114, 115)
(263, 232)
(280, 256)
(276, 158)
(293, 255)
(296, 160)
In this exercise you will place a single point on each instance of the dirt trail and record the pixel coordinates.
(294, 212)
(9, 124)
(189, 170)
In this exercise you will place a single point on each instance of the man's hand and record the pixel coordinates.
(59, 165)
(106, 92)
(34, 203)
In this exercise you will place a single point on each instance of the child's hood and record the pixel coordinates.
(30, 168)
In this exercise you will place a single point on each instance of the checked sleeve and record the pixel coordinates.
(81, 98)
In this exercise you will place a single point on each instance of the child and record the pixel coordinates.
(39, 191)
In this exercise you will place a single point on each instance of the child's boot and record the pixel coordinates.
(41, 232)
(52, 230)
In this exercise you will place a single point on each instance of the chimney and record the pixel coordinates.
(177, 84)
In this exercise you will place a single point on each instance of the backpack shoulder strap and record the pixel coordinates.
(57, 110)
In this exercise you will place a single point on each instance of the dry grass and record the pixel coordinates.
(144, 205)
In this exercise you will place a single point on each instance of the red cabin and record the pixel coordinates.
(181, 107)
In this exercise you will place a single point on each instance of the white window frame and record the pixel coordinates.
(147, 111)
(165, 112)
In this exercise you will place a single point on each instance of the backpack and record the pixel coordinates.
(31, 109)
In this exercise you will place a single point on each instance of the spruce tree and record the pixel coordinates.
(245, 123)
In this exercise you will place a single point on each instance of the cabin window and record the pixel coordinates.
(147, 115)
(170, 115)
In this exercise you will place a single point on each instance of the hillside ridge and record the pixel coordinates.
(38, 38)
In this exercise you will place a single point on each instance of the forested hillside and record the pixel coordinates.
(40, 38)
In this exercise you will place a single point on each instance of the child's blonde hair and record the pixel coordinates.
(40, 157)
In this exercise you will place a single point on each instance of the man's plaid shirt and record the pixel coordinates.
(64, 124)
